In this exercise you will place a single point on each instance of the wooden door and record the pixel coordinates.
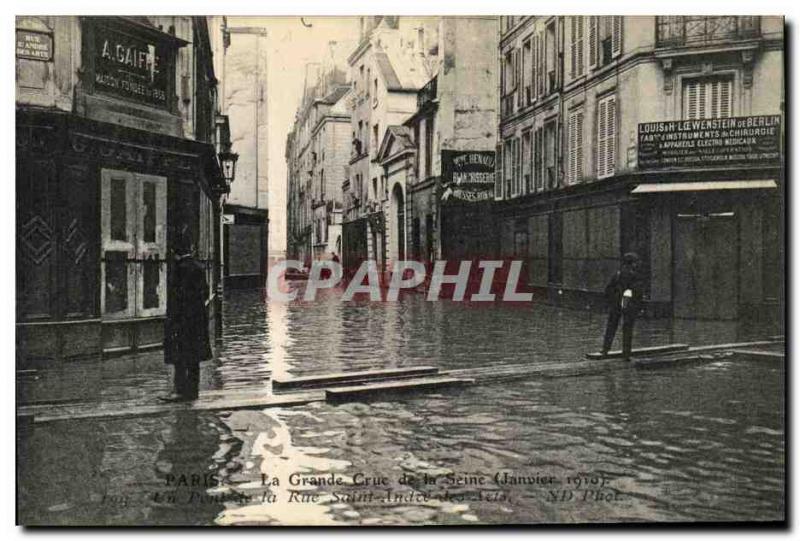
(705, 266)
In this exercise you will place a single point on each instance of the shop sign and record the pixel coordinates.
(131, 66)
(751, 140)
(34, 45)
(467, 175)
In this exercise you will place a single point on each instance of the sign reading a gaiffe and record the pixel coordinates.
(467, 175)
(131, 66)
(749, 140)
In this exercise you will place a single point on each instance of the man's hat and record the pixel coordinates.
(630, 257)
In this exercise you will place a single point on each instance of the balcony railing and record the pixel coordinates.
(700, 30)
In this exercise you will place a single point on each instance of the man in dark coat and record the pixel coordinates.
(187, 327)
(624, 297)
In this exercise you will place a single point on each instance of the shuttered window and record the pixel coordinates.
(498, 173)
(606, 136)
(527, 69)
(575, 145)
(576, 47)
(508, 167)
(537, 160)
(593, 37)
(527, 162)
(708, 98)
(616, 36)
(515, 181)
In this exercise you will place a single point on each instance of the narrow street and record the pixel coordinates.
(695, 442)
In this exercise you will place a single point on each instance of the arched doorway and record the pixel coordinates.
(399, 216)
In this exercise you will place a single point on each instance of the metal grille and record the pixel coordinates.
(693, 29)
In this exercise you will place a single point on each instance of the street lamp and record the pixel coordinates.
(227, 161)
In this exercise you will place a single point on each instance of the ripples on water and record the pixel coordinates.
(702, 442)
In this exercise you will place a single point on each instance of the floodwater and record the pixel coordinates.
(701, 442)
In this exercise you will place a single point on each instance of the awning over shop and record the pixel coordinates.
(667, 187)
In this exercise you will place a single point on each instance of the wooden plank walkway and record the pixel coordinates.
(640, 352)
(358, 385)
(352, 377)
(355, 392)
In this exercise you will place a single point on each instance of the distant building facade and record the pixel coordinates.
(115, 162)
(394, 58)
(317, 152)
(438, 166)
(659, 135)
(240, 56)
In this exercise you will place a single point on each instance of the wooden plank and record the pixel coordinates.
(356, 392)
(353, 377)
(761, 354)
(617, 354)
(118, 411)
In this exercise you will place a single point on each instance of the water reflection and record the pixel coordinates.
(699, 442)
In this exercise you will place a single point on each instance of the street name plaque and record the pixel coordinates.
(33, 45)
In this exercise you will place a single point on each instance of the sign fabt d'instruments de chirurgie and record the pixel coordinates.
(467, 175)
(709, 142)
(130, 66)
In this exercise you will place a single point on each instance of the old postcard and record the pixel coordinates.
(400, 270)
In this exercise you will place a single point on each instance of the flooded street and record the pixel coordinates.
(688, 442)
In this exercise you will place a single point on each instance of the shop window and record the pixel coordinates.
(151, 282)
(116, 283)
(118, 204)
(149, 210)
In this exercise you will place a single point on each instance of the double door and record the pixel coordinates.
(134, 245)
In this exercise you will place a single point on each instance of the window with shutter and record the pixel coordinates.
(616, 36)
(573, 51)
(517, 168)
(526, 162)
(537, 159)
(579, 45)
(593, 37)
(508, 168)
(542, 55)
(575, 146)
(535, 67)
(527, 68)
(606, 136)
(708, 98)
(498, 172)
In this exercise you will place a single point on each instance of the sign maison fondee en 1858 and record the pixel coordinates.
(721, 141)
(130, 66)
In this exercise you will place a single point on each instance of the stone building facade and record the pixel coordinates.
(394, 58)
(115, 160)
(240, 61)
(436, 209)
(317, 152)
(659, 135)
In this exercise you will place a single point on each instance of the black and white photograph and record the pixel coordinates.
(400, 270)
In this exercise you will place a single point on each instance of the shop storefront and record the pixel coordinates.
(103, 194)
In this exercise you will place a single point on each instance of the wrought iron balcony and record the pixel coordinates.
(672, 31)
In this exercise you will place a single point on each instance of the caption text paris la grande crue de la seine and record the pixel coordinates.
(399, 489)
